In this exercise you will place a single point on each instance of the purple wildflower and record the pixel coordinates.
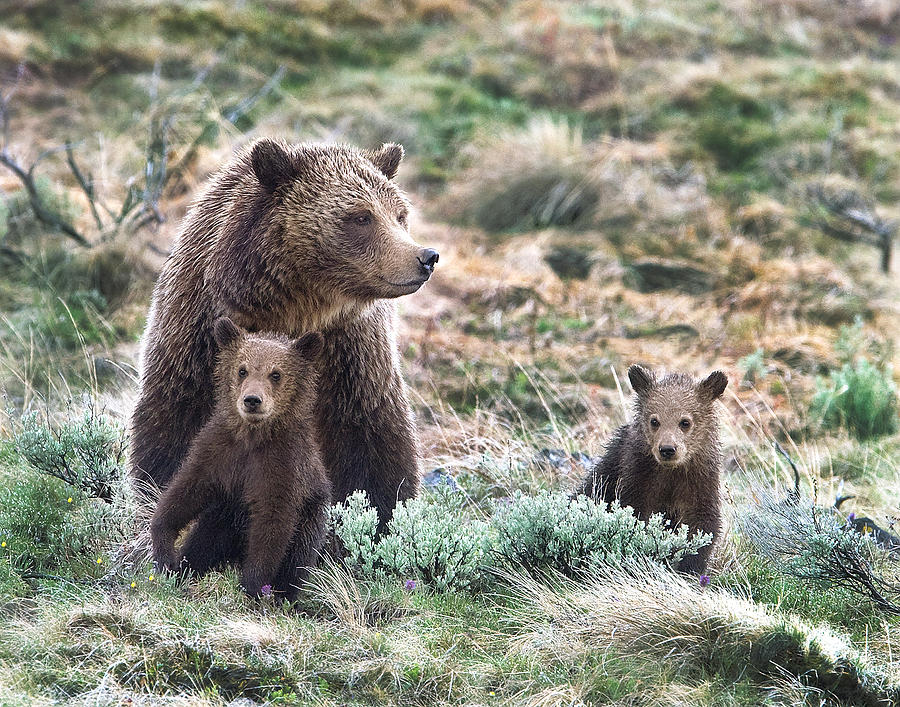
(266, 590)
(851, 517)
(704, 580)
(409, 585)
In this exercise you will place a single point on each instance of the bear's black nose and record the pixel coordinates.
(428, 259)
(666, 451)
(252, 402)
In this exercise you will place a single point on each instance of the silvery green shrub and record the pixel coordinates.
(428, 539)
(550, 531)
(86, 452)
(817, 544)
(432, 540)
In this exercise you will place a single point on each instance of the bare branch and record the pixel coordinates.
(245, 106)
(86, 184)
(857, 220)
(42, 211)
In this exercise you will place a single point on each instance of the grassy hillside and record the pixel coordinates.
(692, 186)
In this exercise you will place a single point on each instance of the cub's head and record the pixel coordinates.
(676, 413)
(260, 377)
(344, 223)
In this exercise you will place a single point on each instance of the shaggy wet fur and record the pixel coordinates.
(668, 458)
(255, 461)
(291, 239)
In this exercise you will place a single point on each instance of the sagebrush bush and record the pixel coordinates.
(860, 397)
(430, 539)
(549, 531)
(427, 540)
(817, 545)
(85, 452)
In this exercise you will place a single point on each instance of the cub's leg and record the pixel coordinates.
(219, 536)
(186, 496)
(274, 515)
(303, 553)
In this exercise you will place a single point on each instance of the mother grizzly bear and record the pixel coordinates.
(290, 239)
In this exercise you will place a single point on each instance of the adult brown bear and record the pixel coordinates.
(290, 239)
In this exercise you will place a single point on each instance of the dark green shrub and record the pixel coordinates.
(860, 398)
(734, 128)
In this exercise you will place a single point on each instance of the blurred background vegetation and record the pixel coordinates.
(693, 185)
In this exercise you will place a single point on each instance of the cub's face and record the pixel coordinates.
(260, 375)
(676, 413)
(346, 224)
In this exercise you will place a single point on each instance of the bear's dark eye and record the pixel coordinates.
(242, 372)
(275, 376)
(401, 219)
(685, 423)
(363, 219)
(654, 422)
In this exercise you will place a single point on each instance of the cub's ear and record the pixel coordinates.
(713, 385)
(641, 379)
(387, 159)
(310, 345)
(226, 332)
(272, 165)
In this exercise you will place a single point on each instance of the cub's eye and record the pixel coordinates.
(275, 376)
(401, 219)
(685, 424)
(654, 422)
(363, 219)
(242, 372)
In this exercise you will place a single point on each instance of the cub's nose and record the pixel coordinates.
(252, 403)
(428, 259)
(666, 451)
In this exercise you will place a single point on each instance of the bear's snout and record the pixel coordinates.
(252, 403)
(427, 260)
(667, 451)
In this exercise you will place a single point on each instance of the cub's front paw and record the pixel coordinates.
(256, 585)
(166, 560)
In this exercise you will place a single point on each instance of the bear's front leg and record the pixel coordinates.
(367, 433)
(696, 563)
(303, 554)
(273, 519)
(178, 506)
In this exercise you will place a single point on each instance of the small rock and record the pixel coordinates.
(439, 477)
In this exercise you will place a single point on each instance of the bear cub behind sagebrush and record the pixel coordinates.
(257, 459)
(667, 459)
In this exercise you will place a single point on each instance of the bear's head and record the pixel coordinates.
(261, 377)
(676, 413)
(343, 222)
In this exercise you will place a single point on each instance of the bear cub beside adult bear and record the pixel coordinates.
(667, 459)
(257, 455)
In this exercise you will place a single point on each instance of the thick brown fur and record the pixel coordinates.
(289, 239)
(667, 459)
(256, 456)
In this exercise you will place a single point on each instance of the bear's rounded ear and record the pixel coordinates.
(272, 165)
(310, 345)
(713, 385)
(641, 379)
(387, 159)
(226, 332)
